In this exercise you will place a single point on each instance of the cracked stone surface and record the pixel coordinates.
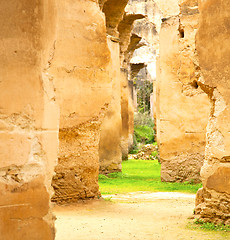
(29, 120)
(212, 203)
(182, 106)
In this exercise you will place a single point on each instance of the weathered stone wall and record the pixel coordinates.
(114, 12)
(143, 48)
(213, 201)
(131, 109)
(28, 119)
(125, 114)
(182, 111)
(132, 28)
(110, 139)
(147, 29)
(114, 132)
(110, 152)
(127, 47)
(81, 66)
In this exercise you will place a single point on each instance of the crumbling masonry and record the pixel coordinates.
(212, 202)
(182, 106)
(64, 102)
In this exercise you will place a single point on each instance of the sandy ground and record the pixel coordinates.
(150, 216)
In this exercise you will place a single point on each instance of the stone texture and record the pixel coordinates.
(137, 34)
(125, 114)
(182, 106)
(29, 119)
(128, 42)
(147, 29)
(131, 109)
(23, 208)
(114, 11)
(82, 68)
(213, 52)
(220, 180)
(110, 154)
(168, 8)
(114, 139)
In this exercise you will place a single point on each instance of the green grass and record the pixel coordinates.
(199, 224)
(141, 175)
(144, 134)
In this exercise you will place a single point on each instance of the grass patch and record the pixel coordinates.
(141, 175)
(144, 134)
(108, 199)
(143, 131)
(199, 224)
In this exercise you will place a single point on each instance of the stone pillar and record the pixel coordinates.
(82, 67)
(183, 109)
(114, 136)
(135, 105)
(124, 114)
(110, 139)
(28, 119)
(213, 200)
(152, 106)
(131, 113)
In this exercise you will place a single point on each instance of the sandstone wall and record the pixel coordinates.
(114, 12)
(125, 114)
(182, 111)
(128, 43)
(81, 65)
(131, 40)
(131, 109)
(114, 132)
(28, 119)
(110, 151)
(212, 203)
(110, 154)
(144, 44)
(147, 29)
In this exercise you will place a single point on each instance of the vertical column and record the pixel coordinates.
(212, 202)
(28, 119)
(131, 110)
(124, 114)
(83, 77)
(110, 139)
(182, 113)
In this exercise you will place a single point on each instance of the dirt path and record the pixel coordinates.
(150, 216)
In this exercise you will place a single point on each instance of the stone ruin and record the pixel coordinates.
(66, 102)
(182, 106)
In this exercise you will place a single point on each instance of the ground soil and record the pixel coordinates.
(150, 216)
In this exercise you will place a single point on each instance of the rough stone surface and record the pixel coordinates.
(182, 106)
(114, 131)
(138, 47)
(213, 51)
(220, 180)
(114, 140)
(147, 29)
(125, 114)
(147, 152)
(83, 80)
(28, 119)
(110, 155)
(131, 109)
(114, 12)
